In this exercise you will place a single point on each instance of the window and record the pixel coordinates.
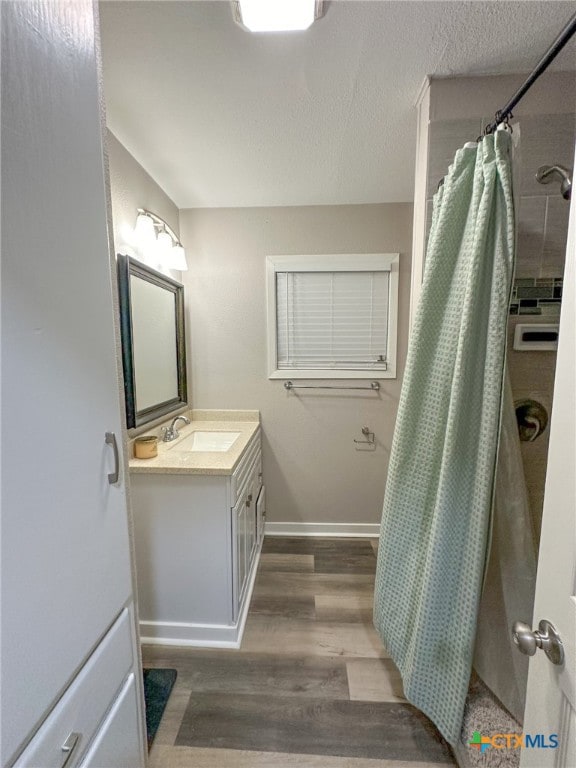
(332, 317)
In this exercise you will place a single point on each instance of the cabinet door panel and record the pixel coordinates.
(83, 706)
(242, 550)
(239, 570)
(251, 527)
(252, 513)
(65, 552)
(261, 514)
(116, 745)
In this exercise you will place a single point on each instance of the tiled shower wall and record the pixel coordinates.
(542, 218)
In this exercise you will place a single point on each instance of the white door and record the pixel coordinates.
(551, 695)
(65, 548)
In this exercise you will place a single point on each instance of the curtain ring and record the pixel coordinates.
(506, 123)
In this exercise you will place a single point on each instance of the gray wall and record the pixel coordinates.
(131, 188)
(311, 468)
(546, 123)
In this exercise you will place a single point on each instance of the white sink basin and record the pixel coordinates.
(206, 441)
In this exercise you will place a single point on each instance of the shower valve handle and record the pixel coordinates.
(545, 637)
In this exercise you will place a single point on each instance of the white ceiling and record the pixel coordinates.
(221, 117)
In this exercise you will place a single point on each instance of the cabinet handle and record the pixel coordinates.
(111, 440)
(249, 500)
(69, 746)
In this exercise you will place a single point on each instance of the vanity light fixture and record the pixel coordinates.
(276, 15)
(153, 233)
(144, 231)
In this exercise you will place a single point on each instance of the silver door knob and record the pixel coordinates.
(545, 637)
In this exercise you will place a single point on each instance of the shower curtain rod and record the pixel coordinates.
(503, 114)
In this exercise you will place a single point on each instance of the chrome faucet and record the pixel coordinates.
(171, 433)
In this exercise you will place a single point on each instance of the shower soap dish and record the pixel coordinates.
(145, 447)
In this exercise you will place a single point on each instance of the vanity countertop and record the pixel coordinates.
(171, 461)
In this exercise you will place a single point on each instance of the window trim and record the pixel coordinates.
(336, 262)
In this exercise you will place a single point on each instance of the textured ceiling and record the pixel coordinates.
(221, 117)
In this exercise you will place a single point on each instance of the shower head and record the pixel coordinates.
(546, 173)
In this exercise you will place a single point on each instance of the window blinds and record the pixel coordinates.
(332, 320)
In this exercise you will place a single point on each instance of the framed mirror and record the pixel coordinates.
(153, 342)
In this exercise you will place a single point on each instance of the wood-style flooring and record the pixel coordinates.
(311, 687)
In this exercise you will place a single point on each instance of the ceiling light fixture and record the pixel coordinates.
(276, 15)
(154, 236)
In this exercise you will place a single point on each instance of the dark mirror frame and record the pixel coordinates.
(127, 267)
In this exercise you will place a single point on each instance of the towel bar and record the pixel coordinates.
(374, 386)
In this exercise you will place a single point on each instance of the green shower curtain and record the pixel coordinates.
(436, 515)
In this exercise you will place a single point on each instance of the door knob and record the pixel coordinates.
(545, 637)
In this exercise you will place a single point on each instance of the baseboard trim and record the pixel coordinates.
(350, 530)
(193, 635)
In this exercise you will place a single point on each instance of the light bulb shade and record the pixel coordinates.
(149, 253)
(164, 245)
(277, 15)
(144, 232)
(177, 259)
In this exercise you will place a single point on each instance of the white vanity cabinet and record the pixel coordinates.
(197, 544)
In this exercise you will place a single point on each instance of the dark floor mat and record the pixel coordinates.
(158, 684)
